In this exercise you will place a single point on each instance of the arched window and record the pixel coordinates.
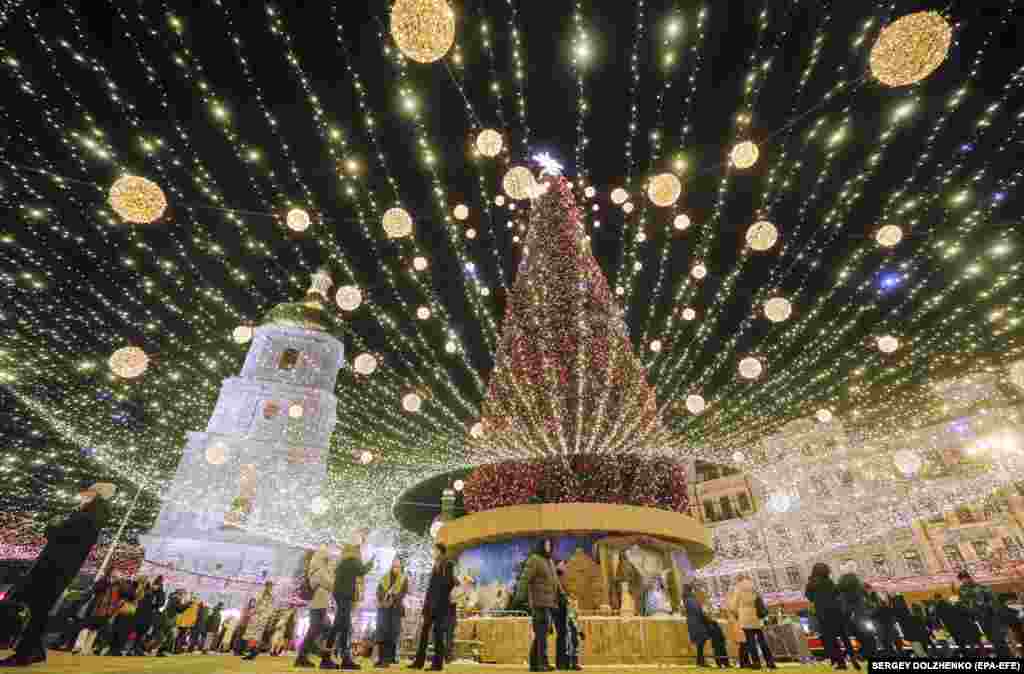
(289, 358)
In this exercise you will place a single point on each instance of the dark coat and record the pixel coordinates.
(213, 622)
(696, 621)
(821, 592)
(852, 596)
(958, 622)
(439, 589)
(541, 582)
(345, 576)
(911, 626)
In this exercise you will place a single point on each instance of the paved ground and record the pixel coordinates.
(222, 664)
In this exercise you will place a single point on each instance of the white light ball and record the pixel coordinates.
(489, 143)
(908, 462)
(589, 192)
(435, 528)
(217, 454)
(699, 271)
(656, 346)
(682, 222)
(349, 298)
(298, 220)
(738, 457)
(500, 200)
(470, 233)
(888, 236)
(419, 263)
(778, 309)
(397, 223)
(695, 403)
(689, 314)
(412, 402)
(519, 183)
(664, 189)
(619, 196)
(888, 344)
(242, 334)
(424, 30)
(365, 364)
(620, 291)
(627, 207)
(762, 235)
(744, 155)
(461, 212)
(450, 347)
(318, 506)
(824, 416)
(423, 313)
(459, 485)
(366, 457)
(295, 411)
(751, 368)
(477, 430)
(129, 362)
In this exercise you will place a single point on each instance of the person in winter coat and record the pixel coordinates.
(696, 623)
(391, 592)
(68, 543)
(347, 592)
(144, 597)
(258, 619)
(821, 592)
(321, 580)
(435, 610)
(560, 616)
(882, 615)
(854, 600)
(185, 622)
(176, 604)
(980, 602)
(743, 605)
(283, 631)
(124, 620)
(912, 629)
(539, 582)
(212, 627)
(198, 632)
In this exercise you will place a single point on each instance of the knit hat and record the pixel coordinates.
(104, 489)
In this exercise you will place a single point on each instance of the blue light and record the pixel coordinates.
(998, 196)
(967, 147)
(890, 281)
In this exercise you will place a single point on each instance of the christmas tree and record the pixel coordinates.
(566, 380)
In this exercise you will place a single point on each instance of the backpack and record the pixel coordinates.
(306, 590)
(759, 606)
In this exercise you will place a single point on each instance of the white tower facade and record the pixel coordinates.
(240, 500)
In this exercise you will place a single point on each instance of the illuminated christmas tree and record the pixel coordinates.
(566, 380)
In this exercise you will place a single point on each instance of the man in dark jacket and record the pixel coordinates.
(212, 627)
(436, 607)
(67, 545)
(540, 583)
(981, 603)
(961, 627)
(346, 577)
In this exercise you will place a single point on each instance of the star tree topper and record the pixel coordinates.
(549, 166)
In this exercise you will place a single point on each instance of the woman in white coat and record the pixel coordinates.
(746, 608)
(320, 576)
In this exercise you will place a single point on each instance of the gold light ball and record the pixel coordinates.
(745, 154)
(689, 314)
(217, 454)
(489, 142)
(910, 48)
(589, 192)
(366, 457)
(619, 196)
(129, 362)
(699, 271)
(627, 207)
(423, 313)
(477, 430)
(412, 402)
(471, 233)
(778, 309)
(419, 263)
(824, 416)
(298, 220)
(888, 236)
(461, 212)
(500, 200)
(656, 346)
(519, 183)
(349, 298)
(695, 403)
(682, 222)
(664, 189)
(424, 30)
(295, 411)
(762, 235)
(242, 334)
(888, 344)
(365, 363)
(751, 368)
(458, 485)
(397, 223)
(137, 199)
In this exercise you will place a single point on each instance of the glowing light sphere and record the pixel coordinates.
(888, 344)
(489, 143)
(689, 314)
(656, 346)
(397, 223)
(620, 291)
(627, 207)
(824, 416)
(365, 364)
(423, 313)
(137, 199)
(745, 154)
(295, 411)
(477, 430)
(699, 271)
(695, 403)
(738, 457)
(242, 334)
(297, 220)
(500, 200)
(589, 192)
(619, 196)
(412, 402)
(762, 235)
(682, 222)
(778, 309)
(349, 298)
(217, 454)
(419, 263)
(751, 368)
(366, 457)
(435, 528)
(780, 501)
(888, 236)
(318, 506)
(518, 183)
(129, 362)
(470, 233)
(424, 30)
(461, 212)
(664, 189)
(910, 48)
(458, 485)
(908, 462)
